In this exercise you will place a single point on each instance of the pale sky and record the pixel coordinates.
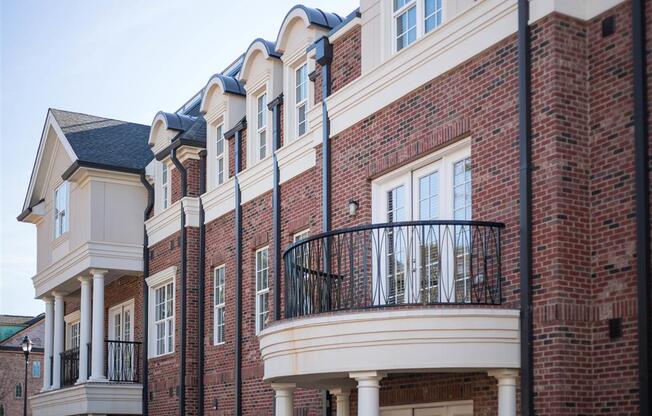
(123, 59)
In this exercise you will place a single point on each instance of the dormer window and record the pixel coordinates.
(414, 18)
(301, 99)
(165, 185)
(261, 126)
(61, 210)
(220, 157)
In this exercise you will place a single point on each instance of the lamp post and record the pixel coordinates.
(26, 345)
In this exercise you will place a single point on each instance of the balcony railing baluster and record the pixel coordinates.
(406, 263)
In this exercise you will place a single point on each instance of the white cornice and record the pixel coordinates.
(191, 209)
(163, 224)
(256, 180)
(219, 201)
(164, 276)
(296, 157)
(579, 9)
(188, 152)
(92, 254)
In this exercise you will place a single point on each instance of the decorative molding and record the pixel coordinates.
(219, 201)
(447, 339)
(191, 210)
(72, 317)
(164, 224)
(188, 152)
(350, 25)
(256, 180)
(92, 254)
(89, 398)
(162, 277)
(296, 157)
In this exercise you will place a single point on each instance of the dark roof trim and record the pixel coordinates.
(275, 101)
(174, 121)
(230, 85)
(270, 47)
(347, 19)
(176, 143)
(93, 165)
(35, 319)
(20, 349)
(240, 125)
(28, 211)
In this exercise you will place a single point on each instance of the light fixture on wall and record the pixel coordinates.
(353, 208)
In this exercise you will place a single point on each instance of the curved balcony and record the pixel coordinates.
(405, 263)
(417, 296)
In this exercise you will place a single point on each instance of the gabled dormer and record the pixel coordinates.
(85, 197)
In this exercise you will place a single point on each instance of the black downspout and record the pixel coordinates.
(275, 106)
(182, 352)
(525, 207)
(148, 210)
(202, 283)
(238, 277)
(642, 203)
(324, 56)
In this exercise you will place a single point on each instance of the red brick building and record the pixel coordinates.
(434, 207)
(12, 363)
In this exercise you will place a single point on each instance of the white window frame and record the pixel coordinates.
(261, 128)
(219, 308)
(420, 17)
(61, 221)
(164, 278)
(72, 320)
(220, 157)
(262, 293)
(302, 103)
(165, 186)
(442, 161)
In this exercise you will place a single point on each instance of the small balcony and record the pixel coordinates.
(119, 393)
(419, 296)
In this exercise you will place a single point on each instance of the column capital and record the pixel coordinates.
(47, 299)
(58, 295)
(340, 391)
(277, 387)
(504, 375)
(85, 279)
(367, 375)
(98, 272)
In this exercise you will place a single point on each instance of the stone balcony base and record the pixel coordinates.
(89, 398)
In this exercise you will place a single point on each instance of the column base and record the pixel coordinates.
(101, 379)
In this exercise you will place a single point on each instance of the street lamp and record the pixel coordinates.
(26, 345)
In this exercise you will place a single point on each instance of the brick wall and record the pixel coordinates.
(12, 364)
(347, 62)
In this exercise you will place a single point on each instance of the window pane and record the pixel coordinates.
(219, 148)
(406, 29)
(220, 170)
(301, 120)
(301, 78)
(262, 145)
(400, 3)
(433, 14)
(262, 104)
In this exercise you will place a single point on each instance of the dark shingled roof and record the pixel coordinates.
(105, 141)
(196, 132)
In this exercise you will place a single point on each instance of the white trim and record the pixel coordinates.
(217, 306)
(72, 317)
(256, 180)
(219, 201)
(91, 254)
(350, 25)
(89, 398)
(394, 339)
(451, 408)
(296, 157)
(261, 292)
(159, 278)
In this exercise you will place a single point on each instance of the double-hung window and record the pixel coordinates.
(301, 99)
(261, 112)
(61, 210)
(165, 185)
(262, 288)
(164, 319)
(405, 16)
(432, 14)
(219, 292)
(72, 340)
(220, 156)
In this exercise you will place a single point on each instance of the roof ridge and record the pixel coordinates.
(93, 115)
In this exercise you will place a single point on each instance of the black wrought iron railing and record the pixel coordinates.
(123, 361)
(403, 263)
(69, 367)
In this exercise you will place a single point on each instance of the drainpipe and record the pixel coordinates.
(525, 208)
(148, 210)
(202, 283)
(184, 267)
(324, 56)
(641, 182)
(238, 275)
(275, 106)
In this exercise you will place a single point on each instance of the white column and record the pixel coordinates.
(97, 347)
(84, 327)
(342, 397)
(368, 392)
(58, 339)
(506, 391)
(284, 398)
(49, 333)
